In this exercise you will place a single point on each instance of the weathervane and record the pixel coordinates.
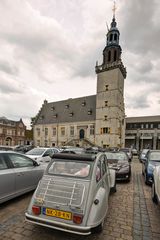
(114, 9)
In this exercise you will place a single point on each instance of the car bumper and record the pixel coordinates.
(122, 176)
(58, 225)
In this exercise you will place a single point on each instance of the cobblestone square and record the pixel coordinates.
(131, 216)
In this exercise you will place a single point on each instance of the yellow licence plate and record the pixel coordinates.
(57, 213)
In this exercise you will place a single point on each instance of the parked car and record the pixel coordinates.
(119, 161)
(134, 151)
(142, 157)
(18, 174)
(23, 148)
(73, 150)
(156, 185)
(151, 161)
(73, 194)
(128, 151)
(41, 154)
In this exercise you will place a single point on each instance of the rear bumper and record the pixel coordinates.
(58, 225)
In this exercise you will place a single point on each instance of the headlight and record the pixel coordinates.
(151, 167)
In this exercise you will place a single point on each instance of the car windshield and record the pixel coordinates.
(70, 168)
(118, 156)
(36, 151)
(155, 156)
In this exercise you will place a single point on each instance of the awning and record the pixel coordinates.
(129, 137)
(146, 137)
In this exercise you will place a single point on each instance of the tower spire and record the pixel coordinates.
(114, 9)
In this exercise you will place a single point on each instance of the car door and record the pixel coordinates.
(27, 174)
(158, 183)
(7, 179)
(47, 155)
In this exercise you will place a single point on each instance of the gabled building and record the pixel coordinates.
(12, 132)
(89, 120)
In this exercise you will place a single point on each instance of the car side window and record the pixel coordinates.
(19, 161)
(3, 164)
(98, 171)
(104, 169)
(47, 153)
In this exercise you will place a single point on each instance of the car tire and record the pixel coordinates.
(145, 178)
(99, 228)
(154, 195)
(114, 188)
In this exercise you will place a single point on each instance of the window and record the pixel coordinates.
(90, 112)
(105, 117)
(71, 114)
(54, 131)
(146, 125)
(45, 143)
(103, 167)
(20, 161)
(109, 56)
(104, 130)
(106, 103)
(106, 86)
(46, 131)
(83, 103)
(67, 106)
(158, 125)
(55, 115)
(52, 108)
(151, 125)
(111, 37)
(3, 164)
(98, 171)
(115, 55)
(92, 130)
(72, 131)
(142, 126)
(38, 142)
(62, 131)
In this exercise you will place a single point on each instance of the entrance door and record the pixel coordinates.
(81, 134)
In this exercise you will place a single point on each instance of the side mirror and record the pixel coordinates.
(36, 164)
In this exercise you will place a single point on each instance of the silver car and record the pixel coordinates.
(18, 174)
(156, 185)
(73, 194)
(42, 154)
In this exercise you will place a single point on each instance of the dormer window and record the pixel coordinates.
(55, 115)
(106, 86)
(67, 106)
(52, 108)
(71, 114)
(83, 103)
(90, 112)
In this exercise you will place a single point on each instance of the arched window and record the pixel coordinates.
(115, 37)
(111, 37)
(115, 55)
(109, 56)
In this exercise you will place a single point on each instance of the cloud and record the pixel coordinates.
(49, 49)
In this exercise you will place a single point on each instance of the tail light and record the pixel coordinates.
(77, 219)
(36, 210)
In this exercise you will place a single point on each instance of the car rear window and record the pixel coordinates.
(70, 168)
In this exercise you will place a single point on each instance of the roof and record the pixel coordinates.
(69, 156)
(70, 110)
(155, 118)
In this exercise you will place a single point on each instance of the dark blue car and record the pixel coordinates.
(151, 161)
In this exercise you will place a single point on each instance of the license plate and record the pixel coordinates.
(57, 213)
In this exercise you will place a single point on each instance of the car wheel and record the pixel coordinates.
(114, 188)
(99, 228)
(145, 178)
(154, 195)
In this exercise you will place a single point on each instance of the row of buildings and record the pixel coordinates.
(96, 120)
(140, 132)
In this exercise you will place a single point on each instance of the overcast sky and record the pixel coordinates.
(49, 48)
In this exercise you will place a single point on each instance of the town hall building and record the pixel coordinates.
(96, 120)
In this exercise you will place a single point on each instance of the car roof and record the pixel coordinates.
(69, 156)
